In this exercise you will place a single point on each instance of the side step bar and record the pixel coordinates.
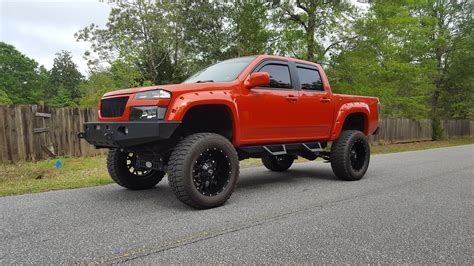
(282, 149)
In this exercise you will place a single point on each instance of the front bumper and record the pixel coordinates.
(126, 134)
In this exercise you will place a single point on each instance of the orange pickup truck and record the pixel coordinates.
(269, 107)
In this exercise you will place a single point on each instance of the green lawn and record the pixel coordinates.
(28, 177)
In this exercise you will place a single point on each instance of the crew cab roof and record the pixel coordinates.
(265, 56)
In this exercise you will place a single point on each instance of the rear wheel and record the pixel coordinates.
(203, 169)
(278, 163)
(122, 168)
(350, 155)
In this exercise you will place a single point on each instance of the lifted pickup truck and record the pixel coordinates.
(268, 107)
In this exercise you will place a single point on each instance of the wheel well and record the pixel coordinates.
(208, 118)
(355, 121)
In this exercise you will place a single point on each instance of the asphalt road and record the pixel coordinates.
(412, 207)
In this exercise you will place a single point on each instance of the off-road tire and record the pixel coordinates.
(117, 167)
(278, 163)
(184, 158)
(341, 152)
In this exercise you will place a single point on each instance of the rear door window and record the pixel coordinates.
(310, 79)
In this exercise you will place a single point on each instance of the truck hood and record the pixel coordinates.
(181, 88)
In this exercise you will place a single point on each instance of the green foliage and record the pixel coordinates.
(93, 89)
(314, 30)
(384, 63)
(61, 98)
(168, 41)
(415, 55)
(206, 39)
(141, 34)
(252, 34)
(4, 99)
(20, 77)
(125, 75)
(64, 75)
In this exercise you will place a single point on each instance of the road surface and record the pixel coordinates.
(411, 207)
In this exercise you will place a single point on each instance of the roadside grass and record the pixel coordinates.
(421, 145)
(76, 172)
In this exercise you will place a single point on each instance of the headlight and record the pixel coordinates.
(152, 95)
(147, 112)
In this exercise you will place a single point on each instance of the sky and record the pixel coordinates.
(41, 28)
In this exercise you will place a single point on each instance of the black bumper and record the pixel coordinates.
(126, 134)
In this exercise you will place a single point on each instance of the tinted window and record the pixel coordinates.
(310, 79)
(279, 75)
(222, 72)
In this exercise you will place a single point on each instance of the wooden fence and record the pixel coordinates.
(397, 130)
(31, 133)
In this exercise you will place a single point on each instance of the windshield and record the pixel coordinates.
(221, 72)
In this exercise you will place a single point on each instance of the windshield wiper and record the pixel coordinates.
(203, 81)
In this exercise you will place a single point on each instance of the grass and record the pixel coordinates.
(76, 172)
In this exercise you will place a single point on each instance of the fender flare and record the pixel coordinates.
(346, 110)
(179, 107)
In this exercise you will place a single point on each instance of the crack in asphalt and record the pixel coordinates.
(132, 254)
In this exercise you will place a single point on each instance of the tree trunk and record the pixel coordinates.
(310, 37)
(436, 126)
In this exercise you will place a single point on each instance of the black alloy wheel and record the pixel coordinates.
(203, 170)
(122, 168)
(350, 155)
(358, 154)
(211, 172)
(131, 160)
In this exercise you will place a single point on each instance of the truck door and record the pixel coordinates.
(267, 114)
(315, 105)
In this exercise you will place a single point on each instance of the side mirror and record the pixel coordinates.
(257, 79)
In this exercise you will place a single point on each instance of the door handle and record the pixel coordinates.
(292, 98)
(325, 100)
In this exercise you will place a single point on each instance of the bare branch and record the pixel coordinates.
(296, 18)
(332, 45)
(301, 6)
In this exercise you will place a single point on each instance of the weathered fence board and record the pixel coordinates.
(31, 132)
(403, 130)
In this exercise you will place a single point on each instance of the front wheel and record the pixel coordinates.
(350, 155)
(122, 168)
(203, 169)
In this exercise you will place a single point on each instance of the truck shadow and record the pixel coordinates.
(250, 181)
(264, 177)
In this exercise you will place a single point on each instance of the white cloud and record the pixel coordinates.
(41, 28)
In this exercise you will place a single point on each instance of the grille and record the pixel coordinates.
(113, 107)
